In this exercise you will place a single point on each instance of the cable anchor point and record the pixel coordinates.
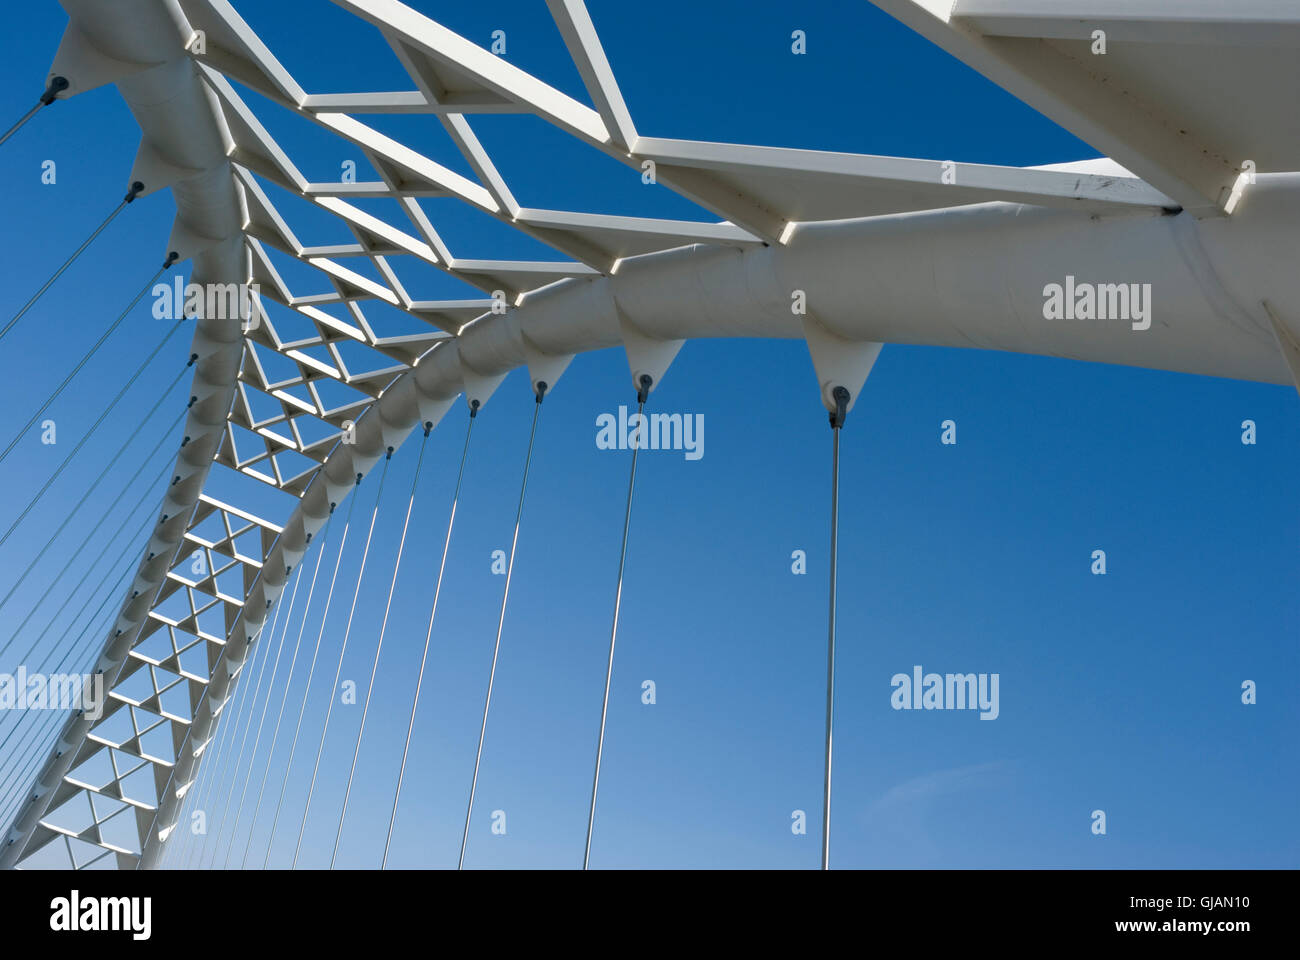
(56, 87)
(841, 397)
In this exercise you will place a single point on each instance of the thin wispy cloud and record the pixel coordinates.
(905, 810)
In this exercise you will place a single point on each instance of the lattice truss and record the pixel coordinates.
(125, 761)
(296, 395)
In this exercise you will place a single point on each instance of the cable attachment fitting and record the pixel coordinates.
(428, 427)
(643, 392)
(171, 258)
(540, 389)
(137, 188)
(56, 87)
(358, 479)
(390, 454)
(473, 408)
(841, 397)
(193, 358)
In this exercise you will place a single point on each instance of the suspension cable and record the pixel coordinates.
(216, 717)
(288, 681)
(226, 704)
(437, 592)
(91, 489)
(216, 714)
(311, 672)
(95, 426)
(270, 689)
(214, 787)
(257, 740)
(116, 565)
(136, 189)
(27, 754)
(201, 785)
(213, 773)
(103, 517)
(379, 645)
(642, 394)
(217, 743)
(841, 397)
(171, 258)
(496, 649)
(28, 748)
(343, 649)
(56, 86)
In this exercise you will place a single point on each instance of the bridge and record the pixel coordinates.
(1184, 235)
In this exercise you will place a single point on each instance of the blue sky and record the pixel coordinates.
(1118, 692)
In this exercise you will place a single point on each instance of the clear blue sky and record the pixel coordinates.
(1119, 693)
